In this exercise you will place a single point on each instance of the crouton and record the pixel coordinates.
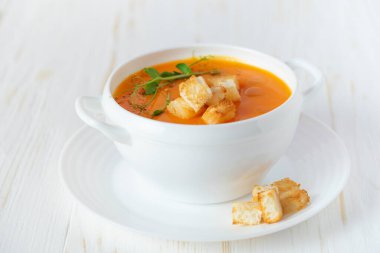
(179, 108)
(246, 213)
(232, 93)
(218, 80)
(230, 83)
(218, 94)
(260, 188)
(298, 201)
(270, 205)
(221, 112)
(292, 198)
(286, 187)
(195, 92)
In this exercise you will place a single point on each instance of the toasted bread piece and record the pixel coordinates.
(232, 92)
(298, 201)
(260, 188)
(195, 92)
(218, 94)
(218, 80)
(230, 83)
(221, 112)
(292, 198)
(179, 108)
(270, 205)
(246, 213)
(286, 187)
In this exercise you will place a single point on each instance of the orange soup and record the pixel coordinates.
(153, 92)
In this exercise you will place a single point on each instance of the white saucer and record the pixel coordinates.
(94, 173)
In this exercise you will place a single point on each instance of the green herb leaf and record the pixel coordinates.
(167, 74)
(152, 72)
(184, 68)
(151, 87)
(157, 112)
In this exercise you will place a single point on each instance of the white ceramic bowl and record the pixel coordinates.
(200, 163)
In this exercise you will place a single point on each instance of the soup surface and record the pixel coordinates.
(260, 91)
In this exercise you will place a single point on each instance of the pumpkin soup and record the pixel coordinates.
(205, 90)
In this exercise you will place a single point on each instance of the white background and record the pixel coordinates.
(54, 51)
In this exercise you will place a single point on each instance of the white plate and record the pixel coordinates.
(94, 173)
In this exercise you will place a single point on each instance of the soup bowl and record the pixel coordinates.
(200, 163)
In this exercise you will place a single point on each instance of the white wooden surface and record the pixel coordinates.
(53, 51)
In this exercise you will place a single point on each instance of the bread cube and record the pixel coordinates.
(270, 205)
(179, 108)
(292, 198)
(230, 83)
(259, 188)
(286, 187)
(195, 92)
(218, 94)
(298, 201)
(246, 213)
(221, 112)
(218, 80)
(232, 93)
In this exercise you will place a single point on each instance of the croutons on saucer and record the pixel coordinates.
(270, 205)
(260, 188)
(292, 198)
(293, 204)
(218, 94)
(246, 213)
(195, 92)
(286, 187)
(179, 108)
(230, 83)
(221, 112)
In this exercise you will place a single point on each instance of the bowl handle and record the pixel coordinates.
(90, 109)
(310, 69)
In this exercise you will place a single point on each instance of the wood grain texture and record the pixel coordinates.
(53, 51)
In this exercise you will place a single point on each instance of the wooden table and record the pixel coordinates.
(54, 51)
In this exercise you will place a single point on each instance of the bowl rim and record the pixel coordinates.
(107, 94)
